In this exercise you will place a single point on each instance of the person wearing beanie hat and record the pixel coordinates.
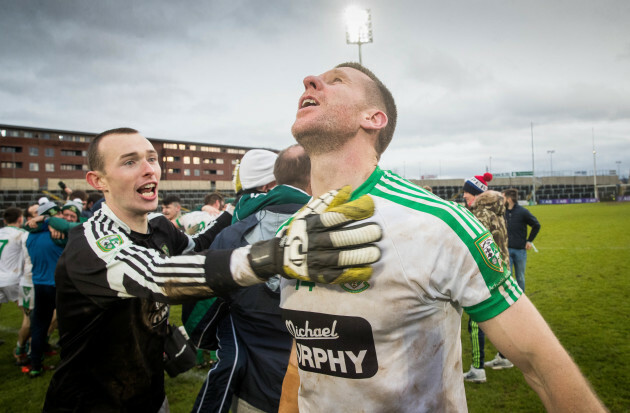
(489, 208)
(253, 178)
(48, 209)
(475, 186)
(256, 169)
(72, 210)
(44, 252)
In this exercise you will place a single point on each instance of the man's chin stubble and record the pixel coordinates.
(320, 143)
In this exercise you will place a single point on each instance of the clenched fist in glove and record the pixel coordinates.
(318, 245)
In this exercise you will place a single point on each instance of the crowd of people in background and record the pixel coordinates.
(295, 325)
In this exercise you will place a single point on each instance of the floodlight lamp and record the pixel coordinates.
(358, 25)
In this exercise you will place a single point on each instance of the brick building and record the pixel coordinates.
(37, 158)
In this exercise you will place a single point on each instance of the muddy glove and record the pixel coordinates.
(318, 245)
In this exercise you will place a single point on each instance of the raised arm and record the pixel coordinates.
(523, 336)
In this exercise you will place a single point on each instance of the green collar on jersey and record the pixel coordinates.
(369, 183)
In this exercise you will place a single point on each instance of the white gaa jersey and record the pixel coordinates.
(196, 221)
(12, 240)
(392, 344)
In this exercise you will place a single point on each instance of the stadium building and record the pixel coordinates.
(34, 160)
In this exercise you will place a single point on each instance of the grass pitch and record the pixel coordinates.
(579, 281)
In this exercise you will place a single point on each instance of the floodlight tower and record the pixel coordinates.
(533, 170)
(358, 27)
(551, 152)
(595, 167)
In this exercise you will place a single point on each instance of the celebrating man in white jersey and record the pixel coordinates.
(392, 343)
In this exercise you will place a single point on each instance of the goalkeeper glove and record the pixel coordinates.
(319, 246)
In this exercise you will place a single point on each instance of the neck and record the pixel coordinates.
(137, 223)
(510, 205)
(351, 165)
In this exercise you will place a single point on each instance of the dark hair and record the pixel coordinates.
(212, 198)
(511, 193)
(293, 167)
(383, 99)
(12, 215)
(171, 199)
(94, 196)
(77, 193)
(94, 158)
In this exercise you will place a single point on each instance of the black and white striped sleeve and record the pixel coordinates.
(105, 262)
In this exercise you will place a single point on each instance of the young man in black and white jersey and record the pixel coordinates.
(121, 268)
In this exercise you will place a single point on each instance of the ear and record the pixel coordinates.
(374, 119)
(96, 180)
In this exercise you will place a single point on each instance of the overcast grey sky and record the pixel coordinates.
(469, 77)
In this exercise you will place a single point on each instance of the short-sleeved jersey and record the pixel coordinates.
(393, 343)
(196, 221)
(12, 240)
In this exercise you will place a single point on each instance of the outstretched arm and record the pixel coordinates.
(523, 336)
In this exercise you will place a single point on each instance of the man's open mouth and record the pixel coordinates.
(308, 102)
(147, 190)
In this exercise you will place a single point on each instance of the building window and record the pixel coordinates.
(197, 172)
(11, 149)
(170, 146)
(219, 172)
(174, 171)
(50, 167)
(50, 152)
(11, 165)
(193, 147)
(14, 133)
(33, 167)
(70, 167)
(186, 160)
(47, 136)
(33, 151)
(234, 161)
(68, 152)
(209, 171)
(233, 150)
(181, 147)
(186, 172)
(3, 132)
(196, 160)
(210, 149)
(28, 134)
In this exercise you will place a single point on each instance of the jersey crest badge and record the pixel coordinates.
(355, 286)
(490, 252)
(165, 250)
(109, 242)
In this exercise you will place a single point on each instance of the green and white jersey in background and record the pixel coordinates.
(12, 247)
(393, 343)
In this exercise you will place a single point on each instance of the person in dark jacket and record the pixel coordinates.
(254, 344)
(517, 220)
